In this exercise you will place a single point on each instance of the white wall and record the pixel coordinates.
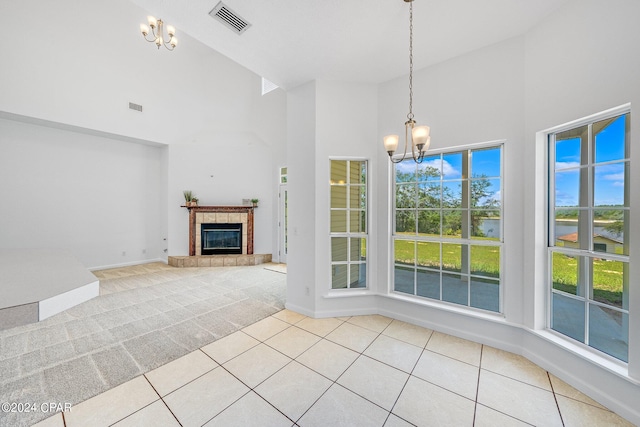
(97, 197)
(580, 61)
(222, 175)
(470, 99)
(301, 158)
(345, 129)
(325, 120)
(81, 62)
(84, 64)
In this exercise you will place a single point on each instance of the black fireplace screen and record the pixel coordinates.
(221, 239)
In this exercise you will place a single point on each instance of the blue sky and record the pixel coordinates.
(483, 163)
(608, 178)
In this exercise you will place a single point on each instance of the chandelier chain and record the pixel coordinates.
(415, 136)
(410, 115)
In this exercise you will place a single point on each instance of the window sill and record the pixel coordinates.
(610, 364)
(348, 293)
(453, 308)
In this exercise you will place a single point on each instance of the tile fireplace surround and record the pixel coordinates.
(199, 215)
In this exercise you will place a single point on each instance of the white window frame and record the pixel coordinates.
(591, 253)
(349, 234)
(393, 237)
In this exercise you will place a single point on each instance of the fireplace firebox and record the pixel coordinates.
(221, 238)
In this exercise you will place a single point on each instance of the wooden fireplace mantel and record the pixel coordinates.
(194, 210)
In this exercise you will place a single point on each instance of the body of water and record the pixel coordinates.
(491, 228)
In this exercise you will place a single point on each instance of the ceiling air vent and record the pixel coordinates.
(229, 18)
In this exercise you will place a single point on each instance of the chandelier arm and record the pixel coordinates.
(395, 161)
(153, 32)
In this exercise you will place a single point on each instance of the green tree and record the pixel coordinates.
(414, 191)
(616, 228)
(483, 203)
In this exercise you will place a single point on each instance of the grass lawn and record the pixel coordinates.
(485, 261)
(607, 278)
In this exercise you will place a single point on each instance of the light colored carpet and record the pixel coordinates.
(145, 316)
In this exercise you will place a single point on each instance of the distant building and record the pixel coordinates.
(601, 243)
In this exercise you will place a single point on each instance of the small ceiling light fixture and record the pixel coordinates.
(158, 36)
(420, 139)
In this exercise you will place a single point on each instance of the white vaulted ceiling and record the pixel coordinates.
(293, 41)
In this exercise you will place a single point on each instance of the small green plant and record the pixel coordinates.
(254, 201)
(188, 195)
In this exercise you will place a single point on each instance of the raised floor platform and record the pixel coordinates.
(37, 283)
(218, 260)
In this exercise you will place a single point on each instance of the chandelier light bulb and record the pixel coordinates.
(144, 29)
(171, 30)
(391, 143)
(152, 21)
(419, 135)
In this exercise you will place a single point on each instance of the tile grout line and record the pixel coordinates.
(475, 403)
(333, 382)
(408, 378)
(294, 360)
(161, 399)
(251, 389)
(555, 398)
(519, 381)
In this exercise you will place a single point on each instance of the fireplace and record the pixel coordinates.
(224, 221)
(221, 238)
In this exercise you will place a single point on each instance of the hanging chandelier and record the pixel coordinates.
(158, 35)
(419, 135)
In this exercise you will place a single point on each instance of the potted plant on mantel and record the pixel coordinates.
(254, 202)
(189, 198)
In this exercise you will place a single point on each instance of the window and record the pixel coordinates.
(588, 233)
(348, 221)
(448, 227)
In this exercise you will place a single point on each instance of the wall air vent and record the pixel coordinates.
(136, 107)
(229, 18)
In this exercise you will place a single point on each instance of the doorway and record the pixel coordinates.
(282, 217)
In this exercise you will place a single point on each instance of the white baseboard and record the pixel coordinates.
(126, 264)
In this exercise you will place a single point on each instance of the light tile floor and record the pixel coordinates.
(289, 370)
(146, 316)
